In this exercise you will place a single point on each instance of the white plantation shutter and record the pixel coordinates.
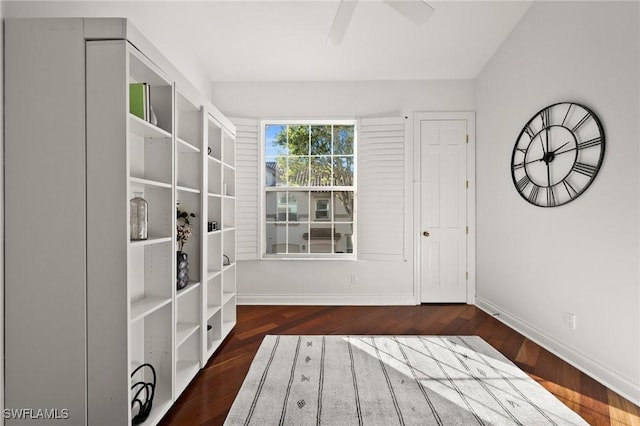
(247, 188)
(381, 189)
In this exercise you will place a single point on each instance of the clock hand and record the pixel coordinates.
(547, 132)
(548, 174)
(555, 152)
(534, 161)
(562, 146)
(565, 151)
(542, 144)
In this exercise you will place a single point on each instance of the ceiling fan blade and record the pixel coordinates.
(417, 11)
(341, 22)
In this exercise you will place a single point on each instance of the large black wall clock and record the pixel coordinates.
(557, 154)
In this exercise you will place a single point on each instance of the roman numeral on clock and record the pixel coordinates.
(567, 114)
(591, 142)
(523, 182)
(518, 166)
(570, 189)
(530, 132)
(584, 169)
(551, 197)
(581, 122)
(545, 117)
(533, 195)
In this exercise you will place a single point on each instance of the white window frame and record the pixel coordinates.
(264, 189)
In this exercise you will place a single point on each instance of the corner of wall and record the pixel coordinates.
(2, 4)
(638, 121)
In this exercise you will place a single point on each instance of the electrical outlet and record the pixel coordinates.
(570, 320)
(353, 278)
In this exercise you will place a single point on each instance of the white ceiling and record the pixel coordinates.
(272, 40)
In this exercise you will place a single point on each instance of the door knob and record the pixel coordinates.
(425, 233)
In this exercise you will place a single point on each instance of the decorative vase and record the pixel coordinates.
(183, 270)
(153, 119)
(138, 217)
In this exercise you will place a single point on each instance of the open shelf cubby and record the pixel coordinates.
(151, 343)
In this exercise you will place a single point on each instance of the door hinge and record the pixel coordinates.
(467, 184)
(467, 230)
(467, 138)
(466, 275)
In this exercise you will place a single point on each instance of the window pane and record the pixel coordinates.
(275, 136)
(343, 237)
(297, 243)
(343, 171)
(320, 140)
(321, 206)
(273, 206)
(298, 171)
(296, 220)
(343, 206)
(299, 206)
(276, 238)
(274, 171)
(320, 240)
(343, 140)
(298, 140)
(320, 171)
(283, 207)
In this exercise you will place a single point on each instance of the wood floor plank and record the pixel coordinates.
(622, 411)
(208, 398)
(527, 355)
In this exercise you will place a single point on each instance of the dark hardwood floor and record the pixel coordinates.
(208, 398)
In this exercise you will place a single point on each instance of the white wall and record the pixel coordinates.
(143, 14)
(535, 264)
(326, 281)
(2, 4)
(341, 99)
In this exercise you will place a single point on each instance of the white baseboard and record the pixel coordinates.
(325, 299)
(614, 381)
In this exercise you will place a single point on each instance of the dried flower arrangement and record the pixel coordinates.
(183, 231)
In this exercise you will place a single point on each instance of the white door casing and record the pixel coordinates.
(444, 213)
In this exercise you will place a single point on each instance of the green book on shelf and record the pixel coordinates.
(137, 100)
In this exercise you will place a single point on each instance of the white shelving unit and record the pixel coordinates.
(128, 310)
(220, 287)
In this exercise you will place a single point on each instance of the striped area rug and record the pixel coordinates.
(390, 380)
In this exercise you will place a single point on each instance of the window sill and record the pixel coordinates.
(314, 257)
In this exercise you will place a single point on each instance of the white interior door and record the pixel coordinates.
(443, 211)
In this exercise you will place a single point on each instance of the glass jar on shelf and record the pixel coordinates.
(138, 217)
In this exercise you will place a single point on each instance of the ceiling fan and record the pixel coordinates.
(416, 11)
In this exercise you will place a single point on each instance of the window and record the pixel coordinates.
(309, 189)
(322, 210)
